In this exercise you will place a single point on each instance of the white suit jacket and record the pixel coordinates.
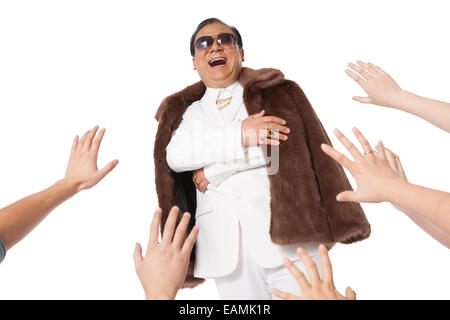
(239, 189)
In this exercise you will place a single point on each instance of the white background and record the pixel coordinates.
(68, 65)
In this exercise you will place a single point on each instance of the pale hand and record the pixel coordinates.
(380, 87)
(372, 171)
(82, 171)
(319, 288)
(163, 269)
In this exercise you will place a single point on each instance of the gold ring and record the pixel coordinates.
(368, 152)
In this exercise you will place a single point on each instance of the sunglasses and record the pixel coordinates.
(223, 39)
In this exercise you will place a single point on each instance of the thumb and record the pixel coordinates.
(259, 114)
(363, 99)
(107, 169)
(137, 256)
(350, 294)
(347, 196)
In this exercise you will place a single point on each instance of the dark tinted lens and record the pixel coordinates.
(204, 43)
(226, 39)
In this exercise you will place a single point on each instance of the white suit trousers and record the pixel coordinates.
(249, 281)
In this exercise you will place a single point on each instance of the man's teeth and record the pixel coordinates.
(216, 59)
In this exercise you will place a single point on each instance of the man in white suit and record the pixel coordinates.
(220, 142)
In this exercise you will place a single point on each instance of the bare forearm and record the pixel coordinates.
(19, 218)
(429, 227)
(433, 205)
(434, 111)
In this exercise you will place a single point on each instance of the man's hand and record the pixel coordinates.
(255, 129)
(318, 289)
(163, 269)
(380, 87)
(200, 181)
(82, 172)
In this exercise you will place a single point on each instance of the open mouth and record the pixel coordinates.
(217, 62)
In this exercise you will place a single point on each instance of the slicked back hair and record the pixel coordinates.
(211, 21)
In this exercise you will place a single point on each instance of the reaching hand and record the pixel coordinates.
(200, 181)
(381, 89)
(319, 288)
(163, 269)
(372, 171)
(255, 130)
(82, 169)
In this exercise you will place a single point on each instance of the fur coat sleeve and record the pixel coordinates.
(330, 176)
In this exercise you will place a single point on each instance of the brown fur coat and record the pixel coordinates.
(303, 192)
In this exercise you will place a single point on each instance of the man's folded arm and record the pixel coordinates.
(194, 146)
(216, 173)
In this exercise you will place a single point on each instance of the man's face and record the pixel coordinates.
(222, 72)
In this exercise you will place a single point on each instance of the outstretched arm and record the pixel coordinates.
(163, 268)
(436, 232)
(377, 182)
(19, 218)
(382, 90)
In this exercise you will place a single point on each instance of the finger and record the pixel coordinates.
(180, 232)
(348, 144)
(259, 114)
(381, 150)
(362, 99)
(391, 159)
(311, 267)
(169, 227)
(283, 295)
(327, 270)
(337, 156)
(400, 168)
(274, 126)
(362, 83)
(190, 241)
(272, 119)
(265, 140)
(107, 169)
(74, 145)
(297, 274)
(98, 140)
(277, 136)
(137, 256)
(83, 140)
(348, 196)
(154, 228)
(367, 67)
(204, 185)
(376, 68)
(195, 179)
(363, 72)
(350, 294)
(362, 140)
(89, 138)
